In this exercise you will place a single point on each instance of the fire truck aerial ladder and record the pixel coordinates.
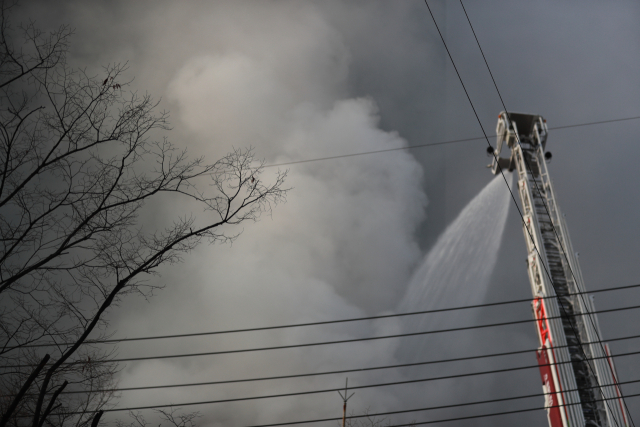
(578, 375)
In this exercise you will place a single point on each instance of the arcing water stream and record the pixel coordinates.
(457, 270)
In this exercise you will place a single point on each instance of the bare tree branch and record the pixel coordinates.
(7, 415)
(81, 156)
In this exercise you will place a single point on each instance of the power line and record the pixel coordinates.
(592, 123)
(333, 390)
(324, 322)
(343, 371)
(494, 414)
(313, 344)
(495, 371)
(455, 141)
(570, 319)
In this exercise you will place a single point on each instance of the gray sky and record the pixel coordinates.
(304, 79)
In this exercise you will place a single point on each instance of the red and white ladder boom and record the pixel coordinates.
(578, 375)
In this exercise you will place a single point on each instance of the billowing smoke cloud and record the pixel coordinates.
(280, 75)
(342, 246)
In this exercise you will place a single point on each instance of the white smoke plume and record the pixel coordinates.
(342, 246)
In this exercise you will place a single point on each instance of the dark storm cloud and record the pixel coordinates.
(311, 79)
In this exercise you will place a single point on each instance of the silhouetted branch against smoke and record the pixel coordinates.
(35, 53)
(78, 163)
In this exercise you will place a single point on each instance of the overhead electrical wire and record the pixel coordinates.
(429, 408)
(406, 411)
(353, 370)
(544, 202)
(333, 390)
(313, 344)
(455, 141)
(344, 371)
(323, 322)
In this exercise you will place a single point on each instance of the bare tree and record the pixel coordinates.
(80, 158)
